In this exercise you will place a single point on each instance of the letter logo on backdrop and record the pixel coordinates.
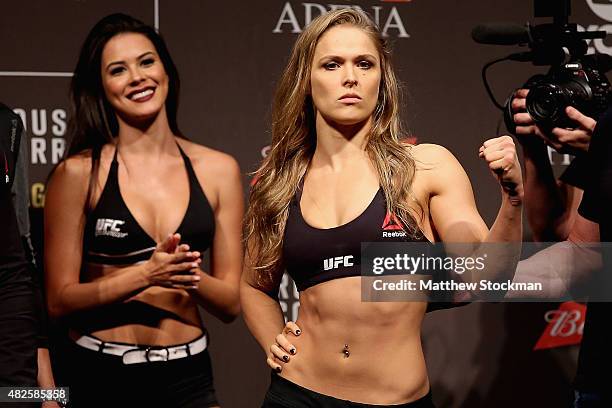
(603, 10)
(386, 17)
(46, 128)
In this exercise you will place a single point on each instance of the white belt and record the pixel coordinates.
(143, 354)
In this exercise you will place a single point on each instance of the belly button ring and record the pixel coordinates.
(346, 351)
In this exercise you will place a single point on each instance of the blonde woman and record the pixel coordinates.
(337, 169)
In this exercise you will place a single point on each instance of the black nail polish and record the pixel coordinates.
(297, 332)
(292, 351)
(285, 358)
(278, 369)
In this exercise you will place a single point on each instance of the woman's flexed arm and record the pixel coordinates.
(455, 215)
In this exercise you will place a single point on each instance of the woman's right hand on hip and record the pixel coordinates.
(279, 352)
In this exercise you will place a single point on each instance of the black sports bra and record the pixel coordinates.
(114, 237)
(312, 255)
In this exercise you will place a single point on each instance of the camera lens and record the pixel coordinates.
(545, 103)
(578, 93)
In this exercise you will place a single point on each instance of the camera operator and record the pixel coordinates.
(24, 357)
(558, 211)
(551, 203)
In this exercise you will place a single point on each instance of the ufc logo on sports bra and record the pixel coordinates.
(333, 263)
(109, 227)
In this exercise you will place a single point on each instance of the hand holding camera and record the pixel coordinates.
(573, 140)
(574, 79)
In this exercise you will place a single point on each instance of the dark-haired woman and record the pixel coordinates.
(338, 175)
(128, 216)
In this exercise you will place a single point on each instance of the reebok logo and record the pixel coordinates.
(338, 261)
(110, 228)
(392, 227)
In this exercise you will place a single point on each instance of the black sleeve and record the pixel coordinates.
(10, 138)
(21, 202)
(42, 338)
(576, 174)
(433, 306)
(598, 170)
(589, 208)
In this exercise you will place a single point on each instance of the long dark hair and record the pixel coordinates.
(93, 122)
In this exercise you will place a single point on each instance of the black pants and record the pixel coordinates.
(18, 332)
(18, 329)
(102, 380)
(286, 394)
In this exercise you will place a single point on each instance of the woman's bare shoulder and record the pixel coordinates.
(210, 161)
(437, 167)
(76, 167)
(430, 153)
(429, 156)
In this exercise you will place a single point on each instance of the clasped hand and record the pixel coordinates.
(173, 265)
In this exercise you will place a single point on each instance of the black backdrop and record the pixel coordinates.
(229, 54)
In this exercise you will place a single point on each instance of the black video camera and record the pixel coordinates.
(574, 78)
(579, 84)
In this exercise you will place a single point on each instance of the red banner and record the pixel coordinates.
(564, 328)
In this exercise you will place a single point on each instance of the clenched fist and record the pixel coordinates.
(500, 155)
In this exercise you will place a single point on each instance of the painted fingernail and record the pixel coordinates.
(196, 278)
(292, 351)
(298, 332)
(285, 358)
(278, 369)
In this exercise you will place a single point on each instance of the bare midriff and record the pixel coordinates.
(156, 329)
(368, 352)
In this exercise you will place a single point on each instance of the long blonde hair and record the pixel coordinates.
(294, 142)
